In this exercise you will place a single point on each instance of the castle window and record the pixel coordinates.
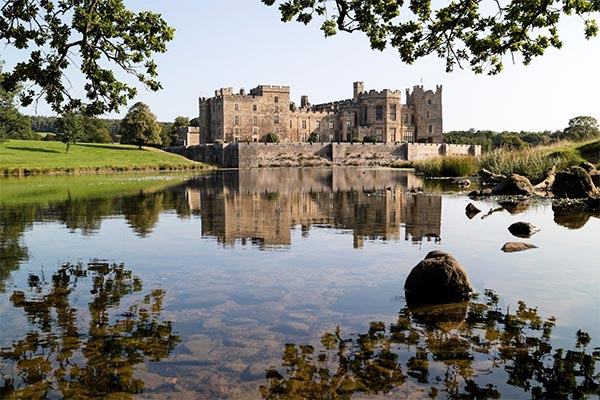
(331, 125)
(236, 120)
(393, 134)
(276, 99)
(236, 130)
(318, 124)
(276, 119)
(276, 130)
(303, 124)
(429, 101)
(255, 120)
(253, 107)
(236, 106)
(430, 128)
(427, 114)
(255, 130)
(348, 124)
(276, 109)
(365, 115)
(379, 112)
(393, 112)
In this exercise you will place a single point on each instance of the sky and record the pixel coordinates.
(243, 44)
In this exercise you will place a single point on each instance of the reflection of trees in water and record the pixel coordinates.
(59, 358)
(141, 212)
(448, 351)
(13, 223)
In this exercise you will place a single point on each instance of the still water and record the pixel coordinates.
(287, 284)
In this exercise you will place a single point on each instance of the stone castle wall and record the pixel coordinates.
(254, 155)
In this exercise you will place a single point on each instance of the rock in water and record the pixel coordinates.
(515, 184)
(511, 247)
(471, 210)
(522, 229)
(438, 278)
(574, 183)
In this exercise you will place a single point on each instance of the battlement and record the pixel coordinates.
(308, 111)
(381, 93)
(419, 89)
(260, 89)
(334, 105)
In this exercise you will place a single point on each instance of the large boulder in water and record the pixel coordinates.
(574, 183)
(438, 278)
(515, 184)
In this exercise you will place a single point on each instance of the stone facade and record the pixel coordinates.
(189, 135)
(374, 115)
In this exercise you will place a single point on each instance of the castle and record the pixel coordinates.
(377, 116)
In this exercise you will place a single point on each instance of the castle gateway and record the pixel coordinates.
(378, 116)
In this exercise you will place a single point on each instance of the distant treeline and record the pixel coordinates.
(490, 140)
(43, 124)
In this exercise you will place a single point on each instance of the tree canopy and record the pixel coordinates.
(139, 126)
(471, 32)
(70, 128)
(581, 128)
(13, 125)
(92, 36)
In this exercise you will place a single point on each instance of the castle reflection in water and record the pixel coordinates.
(263, 205)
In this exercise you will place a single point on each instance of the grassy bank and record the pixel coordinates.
(22, 157)
(532, 163)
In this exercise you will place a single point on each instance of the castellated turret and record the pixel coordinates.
(426, 109)
(359, 87)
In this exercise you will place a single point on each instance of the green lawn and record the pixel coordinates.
(18, 157)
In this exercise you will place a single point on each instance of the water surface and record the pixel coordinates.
(287, 283)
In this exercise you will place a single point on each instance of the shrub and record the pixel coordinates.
(272, 137)
(313, 138)
(448, 166)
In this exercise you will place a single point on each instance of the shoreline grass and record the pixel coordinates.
(25, 157)
(532, 163)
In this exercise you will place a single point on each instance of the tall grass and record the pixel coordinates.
(533, 163)
(448, 166)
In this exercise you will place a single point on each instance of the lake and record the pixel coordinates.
(288, 284)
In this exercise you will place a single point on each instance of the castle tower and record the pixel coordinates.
(359, 87)
(304, 102)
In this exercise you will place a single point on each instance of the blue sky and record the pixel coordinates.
(243, 43)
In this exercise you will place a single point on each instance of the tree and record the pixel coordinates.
(313, 137)
(93, 35)
(70, 128)
(581, 128)
(139, 126)
(95, 131)
(170, 134)
(463, 31)
(272, 137)
(13, 125)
